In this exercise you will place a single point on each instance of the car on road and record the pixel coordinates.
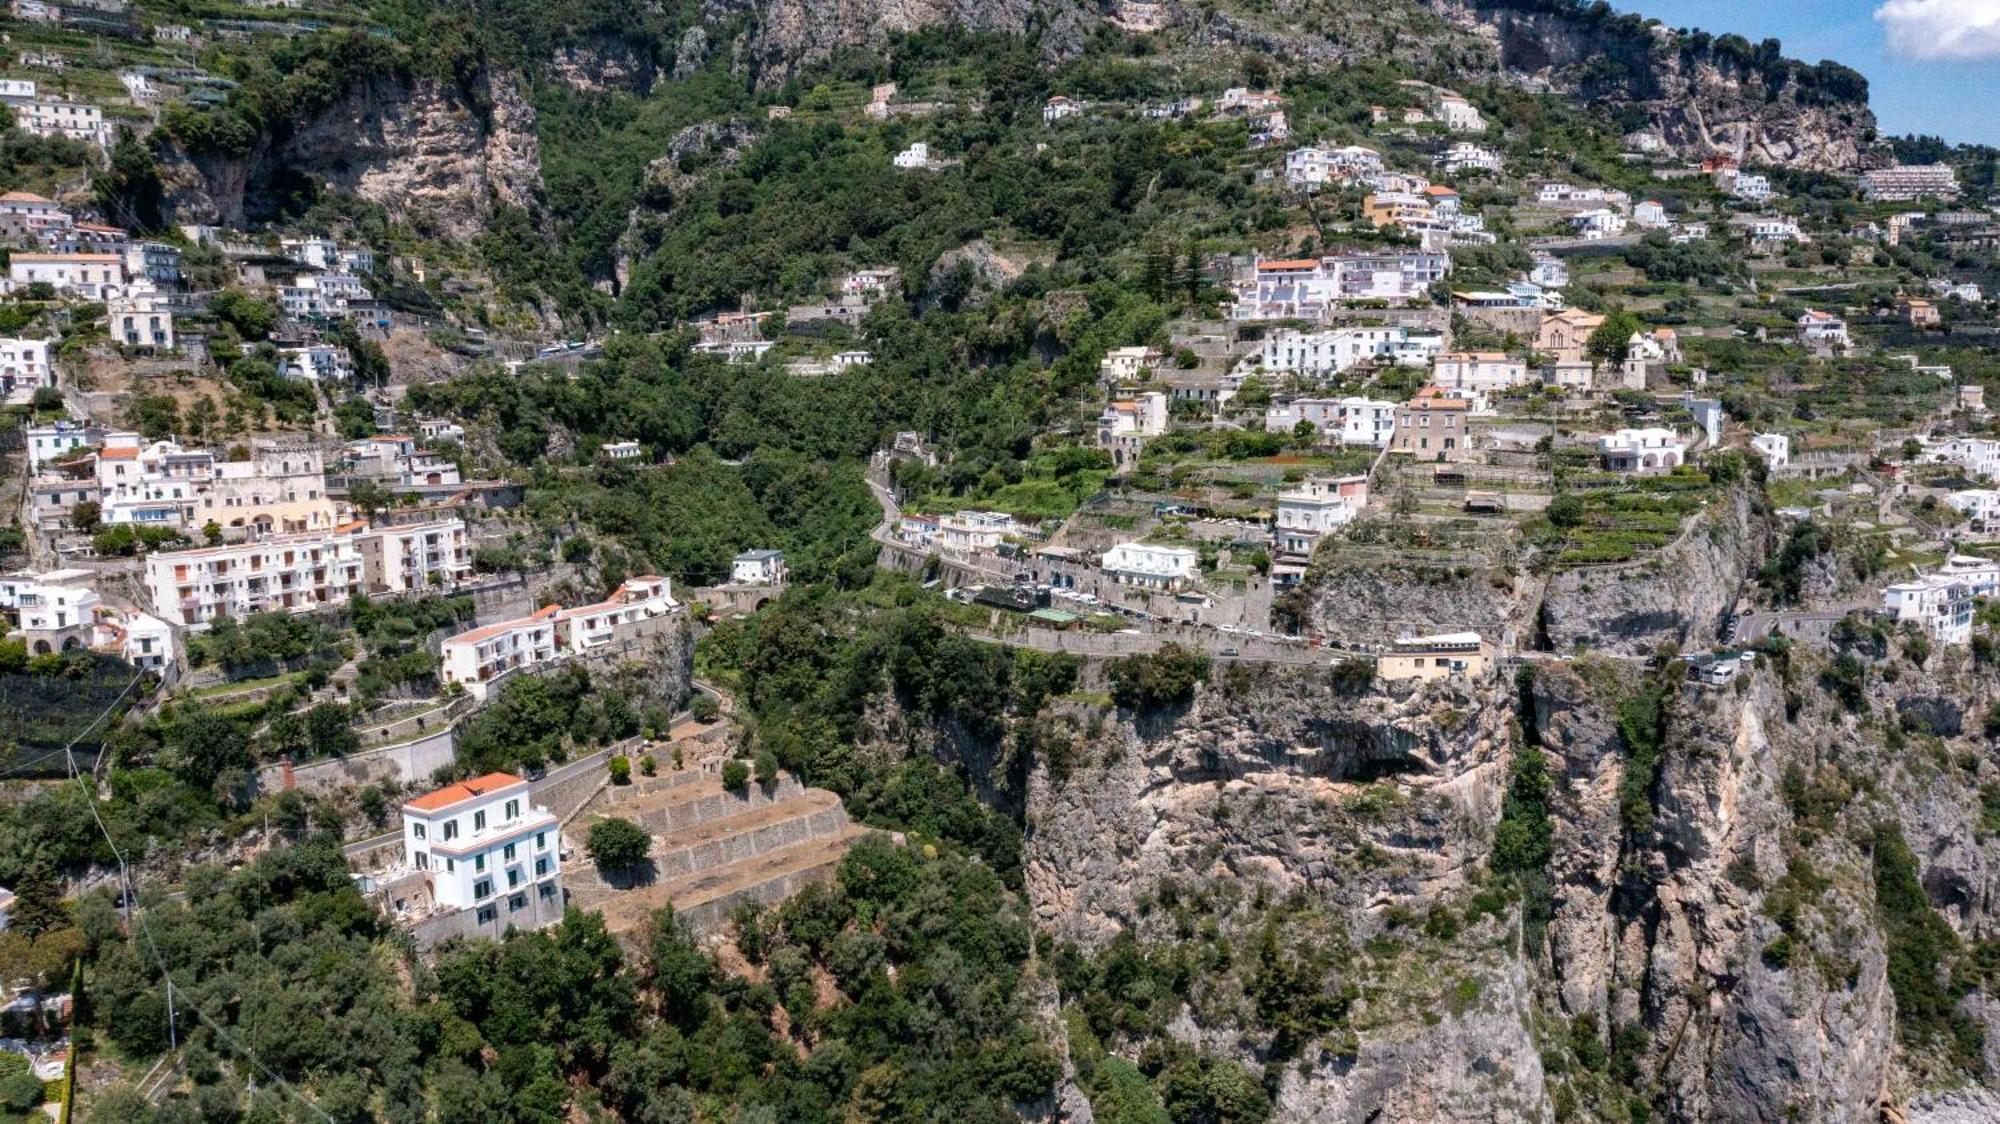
(1229, 653)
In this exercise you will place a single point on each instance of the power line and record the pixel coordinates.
(130, 892)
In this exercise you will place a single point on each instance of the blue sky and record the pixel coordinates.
(1933, 66)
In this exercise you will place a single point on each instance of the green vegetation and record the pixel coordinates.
(617, 844)
(1162, 679)
(1922, 951)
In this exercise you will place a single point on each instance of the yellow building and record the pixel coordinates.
(1424, 658)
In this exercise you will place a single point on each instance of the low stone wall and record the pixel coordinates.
(537, 913)
(693, 858)
(414, 760)
(710, 916)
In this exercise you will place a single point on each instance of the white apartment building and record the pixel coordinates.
(51, 442)
(1338, 349)
(1650, 213)
(1980, 575)
(25, 214)
(416, 557)
(1823, 331)
(483, 846)
(915, 157)
(1600, 222)
(479, 659)
(1976, 456)
(90, 276)
(1457, 114)
(1648, 450)
(1980, 505)
(975, 532)
(24, 369)
(1480, 372)
(47, 117)
(1750, 188)
(620, 451)
(284, 573)
(1315, 166)
(1354, 421)
(141, 320)
(1304, 289)
(316, 362)
(1123, 364)
(1775, 448)
(1939, 604)
(1315, 507)
(319, 253)
(154, 484)
(1905, 182)
(146, 642)
(869, 282)
(1464, 156)
(1126, 424)
(758, 567)
(1549, 271)
(281, 489)
(587, 628)
(1150, 565)
(443, 429)
(57, 612)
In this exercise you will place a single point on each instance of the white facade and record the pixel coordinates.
(416, 557)
(90, 276)
(56, 614)
(1465, 156)
(1126, 423)
(1601, 222)
(1149, 565)
(1354, 422)
(147, 642)
(1939, 604)
(1652, 449)
(1316, 166)
(285, 573)
(1823, 330)
(587, 628)
(1976, 456)
(758, 567)
(482, 844)
(1905, 182)
(1060, 108)
(1319, 505)
(141, 320)
(1305, 289)
(1776, 448)
(1482, 372)
(30, 214)
(47, 117)
(1336, 350)
(975, 532)
(916, 156)
(51, 442)
(1549, 271)
(479, 659)
(621, 450)
(1650, 214)
(1981, 505)
(1749, 188)
(24, 369)
(1122, 364)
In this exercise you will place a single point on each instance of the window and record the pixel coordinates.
(513, 879)
(541, 866)
(479, 821)
(487, 914)
(423, 860)
(517, 903)
(479, 862)
(548, 889)
(541, 841)
(483, 888)
(450, 865)
(513, 809)
(450, 830)
(416, 829)
(510, 852)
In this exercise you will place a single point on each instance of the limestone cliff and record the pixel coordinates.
(436, 154)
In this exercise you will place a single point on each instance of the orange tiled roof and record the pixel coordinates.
(125, 454)
(462, 791)
(1289, 263)
(492, 630)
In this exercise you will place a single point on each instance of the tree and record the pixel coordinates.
(129, 189)
(704, 708)
(1161, 679)
(620, 769)
(735, 775)
(616, 844)
(84, 516)
(1609, 342)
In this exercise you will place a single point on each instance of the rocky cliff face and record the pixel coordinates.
(432, 153)
(1678, 596)
(1691, 98)
(786, 35)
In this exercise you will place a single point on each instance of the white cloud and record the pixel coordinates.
(1942, 29)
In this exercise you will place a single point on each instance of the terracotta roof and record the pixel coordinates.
(118, 454)
(490, 631)
(66, 257)
(1289, 263)
(24, 197)
(106, 227)
(1439, 189)
(462, 791)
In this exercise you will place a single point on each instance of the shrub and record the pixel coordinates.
(647, 765)
(617, 844)
(1165, 678)
(621, 770)
(735, 775)
(767, 767)
(704, 708)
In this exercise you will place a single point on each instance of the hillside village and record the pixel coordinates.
(1193, 567)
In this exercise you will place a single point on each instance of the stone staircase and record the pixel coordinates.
(712, 849)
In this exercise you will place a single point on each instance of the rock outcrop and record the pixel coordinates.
(1678, 596)
(436, 154)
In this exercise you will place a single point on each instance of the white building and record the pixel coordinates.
(57, 612)
(1124, 364)
(1650, 214)
(1316, 507)
(1457, 114)
(146, 642)
(23, 214)
(483, 846)
(442, 430)
(1747, 187)
(1354, 422)
(479, 659)
(1905, 182)
(1060, 108)
(620, 451)
(1601, 222)
(51, 442)
(915, 157)
(416, 557)
(975, 532)
(1980, 575)
(1150, 565)
(1126, 423)
(89, 276)
(1336, 350)
(587, 628)
(284, 573)
(1304, 289)
(1939, 604)
(758, 567)
(24, 369)
(1481, 372)
(47, 117)
(141, 320)
(1980, 505)
(1464, 156)
(1978, 457)
(1317, 166)
(1549, 271)
(1648, 450)
(1775, 448)
(319, 253)
(1823, 331)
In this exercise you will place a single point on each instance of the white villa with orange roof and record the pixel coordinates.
(588, 627)
(478, 858)
(480, 658)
